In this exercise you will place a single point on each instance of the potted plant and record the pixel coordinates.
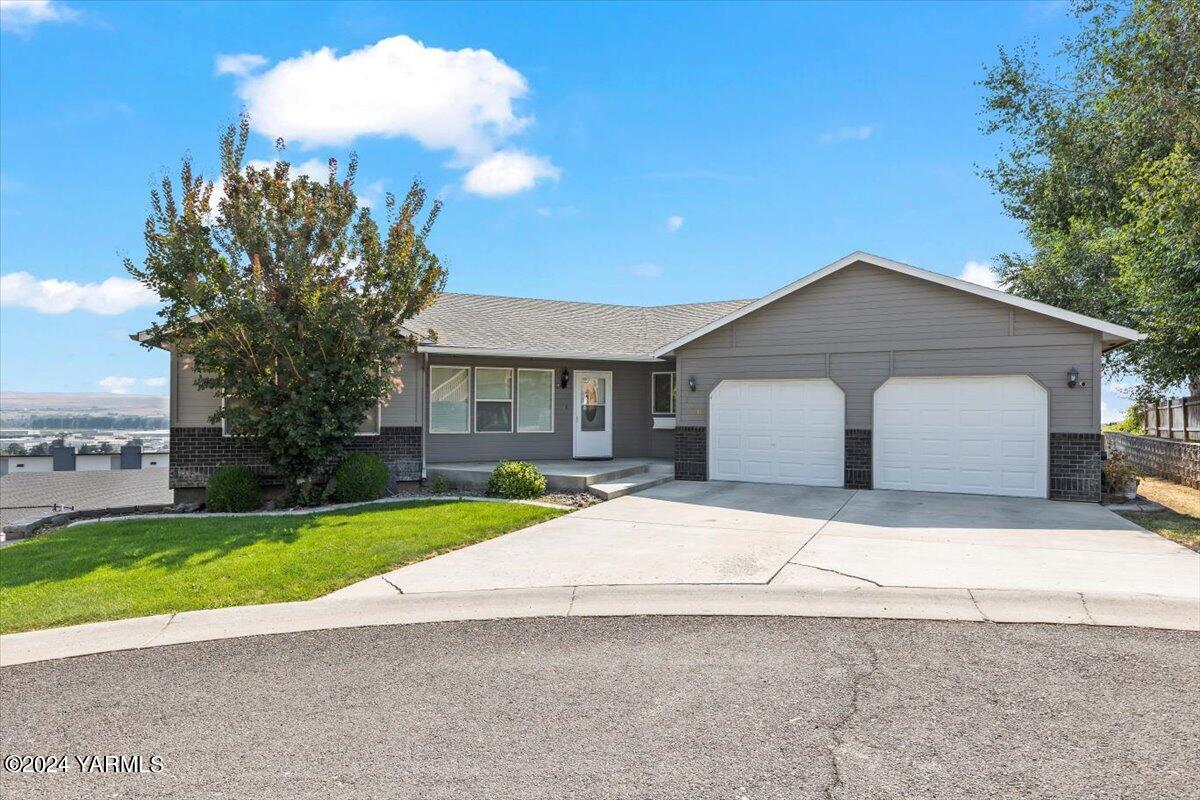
(1120, 476)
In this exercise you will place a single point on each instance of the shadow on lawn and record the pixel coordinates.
(161, 543)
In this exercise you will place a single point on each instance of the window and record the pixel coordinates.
(662, 392)
(449, 400)
(371, 420)
(535, 401)
(493, 400)
(227, 427)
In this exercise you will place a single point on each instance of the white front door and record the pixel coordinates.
(593, 414)
(978, 435)
(787, 431)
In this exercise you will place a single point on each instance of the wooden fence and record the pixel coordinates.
(1174, 419)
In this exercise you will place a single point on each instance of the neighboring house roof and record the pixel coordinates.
(474, 324)
(1114, 335)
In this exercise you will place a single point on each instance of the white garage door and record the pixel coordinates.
(777, 432)
(981, 435)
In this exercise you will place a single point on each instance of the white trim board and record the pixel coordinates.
(1114, 333)
(543, 354)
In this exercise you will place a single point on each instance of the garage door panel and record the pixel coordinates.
(788, 431)
(977, 435)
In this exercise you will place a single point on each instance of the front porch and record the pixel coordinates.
(566, 475)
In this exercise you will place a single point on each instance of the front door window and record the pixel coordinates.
(592, 395)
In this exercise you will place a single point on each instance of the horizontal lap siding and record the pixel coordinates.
(191, 407)
(868, 323)
(1070, 409)
(631, 415)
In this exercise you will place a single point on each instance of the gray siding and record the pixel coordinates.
(191, 407)
(404, 406)
(865, 324)
(632, 436)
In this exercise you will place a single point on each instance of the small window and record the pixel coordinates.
(535, 401)
(493, 400)
(449, 400)
(662, 390)
(227, 428)
(370, 424)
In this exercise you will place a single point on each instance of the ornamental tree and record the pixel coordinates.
(1101, 164)
(289, 298)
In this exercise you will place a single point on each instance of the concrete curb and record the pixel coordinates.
(351, 611)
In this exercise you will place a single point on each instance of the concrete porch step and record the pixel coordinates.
(561, 475)
(611, 490)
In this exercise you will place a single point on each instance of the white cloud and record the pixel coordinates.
(22, 16)
(240, 64)
(508, 172)
(117, 384)
(674, 223)
(462, 101)
(52, 296)
(979, 273)
(155, 381)
(645, 270)
(855, 133)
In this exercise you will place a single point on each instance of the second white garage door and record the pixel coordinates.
(980, 435)
(790, 431)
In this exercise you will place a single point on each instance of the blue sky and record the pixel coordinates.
(633, 153)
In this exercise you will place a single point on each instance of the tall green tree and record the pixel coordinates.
(289, 299)
(1101, 163)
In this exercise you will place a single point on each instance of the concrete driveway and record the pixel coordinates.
(740, 533)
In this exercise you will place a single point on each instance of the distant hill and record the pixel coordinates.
(82, 409)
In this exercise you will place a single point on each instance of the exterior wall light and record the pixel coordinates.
(1072, 378)
(565, 380)
(692, 382)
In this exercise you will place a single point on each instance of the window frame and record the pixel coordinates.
(225, 434)
(378, 423)
(470, 403)
(674, 394)
(517, 394)
(512, 400)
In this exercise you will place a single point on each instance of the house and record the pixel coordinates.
(867, 373)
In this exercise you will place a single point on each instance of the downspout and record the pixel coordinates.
(423, 406)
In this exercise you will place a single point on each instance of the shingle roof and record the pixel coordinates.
(525, 325)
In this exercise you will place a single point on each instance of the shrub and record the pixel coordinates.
(1131, 424)
(360, 476)
(1118, 472)
(440, 485)
(232, 488)
(516, 480)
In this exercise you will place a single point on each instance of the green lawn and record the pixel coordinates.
(134, 568)
(1181, 528)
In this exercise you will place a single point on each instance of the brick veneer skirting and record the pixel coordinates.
(691, 453)
(196, 452)
(858, 459)
(1075, 466)
(1163, 458)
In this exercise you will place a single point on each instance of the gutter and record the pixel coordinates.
(556, 355)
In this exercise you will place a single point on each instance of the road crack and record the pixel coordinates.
(389, 583)
(838, 731)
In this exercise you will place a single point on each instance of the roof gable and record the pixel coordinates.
(1114, 334)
